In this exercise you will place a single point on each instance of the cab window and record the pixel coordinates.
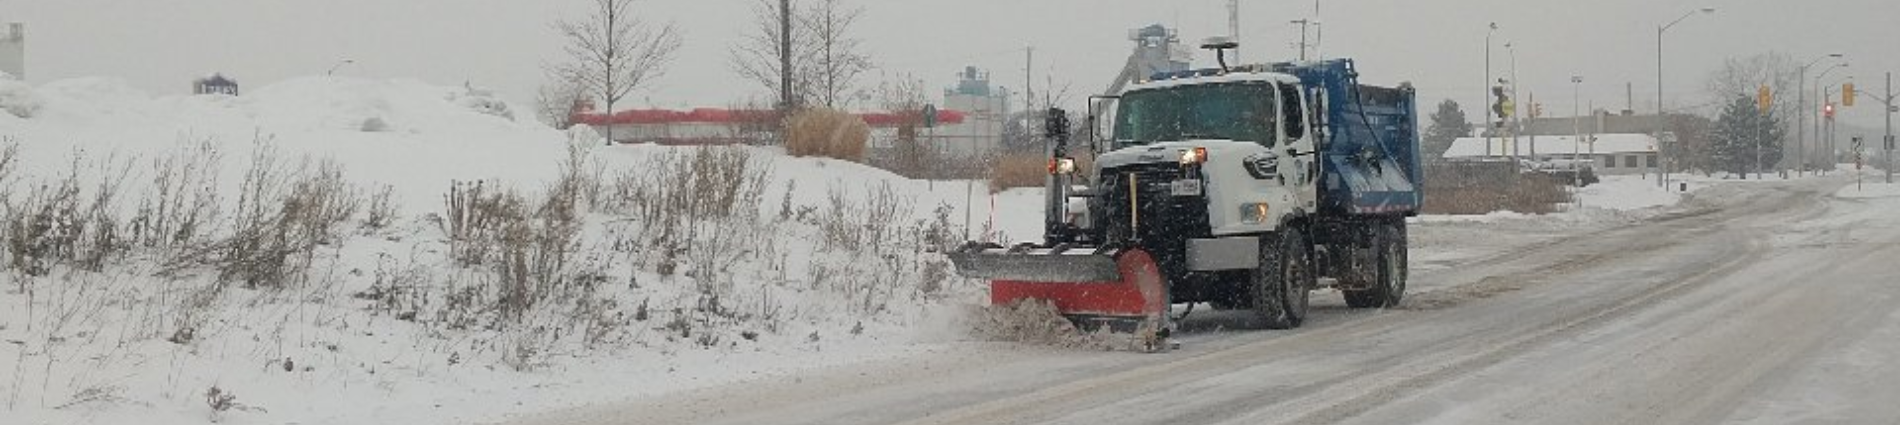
(1294, 120)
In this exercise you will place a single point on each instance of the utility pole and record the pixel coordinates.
(1662, 159)
(1888, 140)
(1029, 78)
(1304, 22)
(1800, 121)
(1532, 98)
(1319, 36)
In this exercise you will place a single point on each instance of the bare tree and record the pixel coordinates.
(560, 99)
(613, 52)
(756, 58)
(1741, 77)
(904, 97)
(836, 57)
(827, 62)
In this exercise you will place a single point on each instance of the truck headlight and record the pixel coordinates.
(1061, 166)
(1254, 213)
(1195, 156)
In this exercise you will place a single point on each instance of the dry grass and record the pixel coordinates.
(1026, 170)
(827, 133)
(1528, 194)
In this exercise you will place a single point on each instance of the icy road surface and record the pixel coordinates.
(1768, 303)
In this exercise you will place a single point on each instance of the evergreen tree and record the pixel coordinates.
(1743, 132)
(1448, 124)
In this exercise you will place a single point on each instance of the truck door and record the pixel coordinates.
(1301, 169)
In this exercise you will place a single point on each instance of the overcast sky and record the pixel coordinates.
(1438, 44)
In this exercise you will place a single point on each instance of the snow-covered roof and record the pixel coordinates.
(1466, 147)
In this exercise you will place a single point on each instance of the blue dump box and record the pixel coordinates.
(1370, 144)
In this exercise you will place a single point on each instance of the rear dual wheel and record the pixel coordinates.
(1282, 280)
(1391, 261)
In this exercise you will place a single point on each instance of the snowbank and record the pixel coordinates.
(830, 265)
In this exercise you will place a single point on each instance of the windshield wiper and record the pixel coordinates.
(1197, 136)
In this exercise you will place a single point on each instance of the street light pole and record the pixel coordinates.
(1576, 133)
(1662, 159)
(1801, 114)
(1517, 117)
(1818, 137)
(339, 64)
(1489, 129)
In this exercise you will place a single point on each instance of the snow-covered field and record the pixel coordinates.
(819, 262)
(808, 263)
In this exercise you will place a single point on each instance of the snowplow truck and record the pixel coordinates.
(1241, 188)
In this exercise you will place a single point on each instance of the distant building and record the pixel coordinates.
(986, 115)
(13, 51)
(215, 84)
(1606, 153)
(711, 126)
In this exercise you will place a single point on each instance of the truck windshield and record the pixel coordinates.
(1236, 111)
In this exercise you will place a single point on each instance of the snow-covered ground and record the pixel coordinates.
(831, 263)
(831, 267)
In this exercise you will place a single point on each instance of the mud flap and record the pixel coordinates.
(1133, 299)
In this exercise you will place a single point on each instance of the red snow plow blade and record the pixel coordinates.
(1120, 290)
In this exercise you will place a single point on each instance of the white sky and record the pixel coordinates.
(160, 45)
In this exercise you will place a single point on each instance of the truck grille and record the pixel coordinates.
(1164, 217)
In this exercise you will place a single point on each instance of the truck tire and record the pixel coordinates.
(1281, 283)
(1388, 288)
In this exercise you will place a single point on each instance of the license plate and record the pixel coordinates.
(1185, 188)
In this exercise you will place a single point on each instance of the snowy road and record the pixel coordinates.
(1764, 303)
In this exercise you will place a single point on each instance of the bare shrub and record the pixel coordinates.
(284, 214)
(221, 401)
(103, 238)
(476, 216)
(827, 133)
(400, 289)
(884, 211)
(687, 203)
(839, 222)
(182, 203)
(9, 160)
(848, 225)
(45, 227)
(59, 223)
(381, 212)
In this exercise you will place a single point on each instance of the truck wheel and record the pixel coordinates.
(1391, 260)
(1281, 283)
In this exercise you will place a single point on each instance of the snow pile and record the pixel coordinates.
(1873, 187)
(1033, 322)
(18, 98)
(1628, 193)
(453, 265)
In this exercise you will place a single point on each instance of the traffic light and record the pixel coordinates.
(1764, 98)
(1847, 95)
(1828, 110)
(1537, 110)
(1501, 106)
